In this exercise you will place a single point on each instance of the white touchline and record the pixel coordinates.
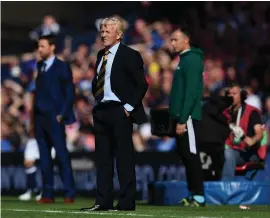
(79, 212)
(101, 213)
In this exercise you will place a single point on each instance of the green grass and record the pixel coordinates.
(12, 208)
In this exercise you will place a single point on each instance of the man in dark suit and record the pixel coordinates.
(118, 87)
(53, 109)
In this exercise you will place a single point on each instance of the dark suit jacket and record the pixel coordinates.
(127, 80)
(55, 91)
(213, 127)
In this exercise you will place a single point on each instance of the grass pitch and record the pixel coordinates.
(13, 208)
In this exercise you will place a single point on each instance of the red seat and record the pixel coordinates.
(250, 166)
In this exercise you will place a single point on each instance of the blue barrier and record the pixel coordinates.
(231, 192)
(240, 191)
(150, 168)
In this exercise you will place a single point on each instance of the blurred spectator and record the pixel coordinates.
(5, 143)
(255, 88)
(231, 76)
(49, 26)
(140, 28)
(234, 37)
(253, 99)
(10, 137)
(266, 116)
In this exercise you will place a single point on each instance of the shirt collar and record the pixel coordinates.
(114, 49)
(50, 60)
(184, 51)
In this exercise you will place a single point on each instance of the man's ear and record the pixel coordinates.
(119, 36)
(186, 40)
(53, 47)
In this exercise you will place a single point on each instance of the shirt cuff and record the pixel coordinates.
(128, 107)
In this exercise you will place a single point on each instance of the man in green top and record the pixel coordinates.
(185, 107)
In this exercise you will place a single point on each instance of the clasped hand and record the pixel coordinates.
(180, 129)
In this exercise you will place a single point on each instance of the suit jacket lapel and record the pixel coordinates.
(116, 60)
(53, 65)
(39, 65)
(114, 64)
(99, 57)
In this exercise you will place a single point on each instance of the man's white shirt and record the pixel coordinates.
(108, 93)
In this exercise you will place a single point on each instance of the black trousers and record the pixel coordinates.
(216, 152)
(113, 139)
(191, 161)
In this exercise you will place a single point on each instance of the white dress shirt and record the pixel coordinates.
(49, 62)
(108, 93)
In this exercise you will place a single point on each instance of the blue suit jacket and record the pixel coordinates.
(55, 91)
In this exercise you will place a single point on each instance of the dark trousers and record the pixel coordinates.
(191, 161)
(215, 151)
(234, 158)
(49, 133)
(113, 138)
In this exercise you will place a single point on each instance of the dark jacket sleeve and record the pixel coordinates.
(137, 71)
(68, 87)
(215, 108)
(193, 76)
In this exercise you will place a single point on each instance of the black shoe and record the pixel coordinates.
(95, 208)
(194, 203)
(118, 208)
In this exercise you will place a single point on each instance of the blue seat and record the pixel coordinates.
(220, 192)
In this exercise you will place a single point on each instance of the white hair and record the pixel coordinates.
(113, 21)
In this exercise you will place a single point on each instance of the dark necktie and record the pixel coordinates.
(43, 67)
(99, 94)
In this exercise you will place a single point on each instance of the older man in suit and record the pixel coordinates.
(118, 87)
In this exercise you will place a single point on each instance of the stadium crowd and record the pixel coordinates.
(235, 41)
